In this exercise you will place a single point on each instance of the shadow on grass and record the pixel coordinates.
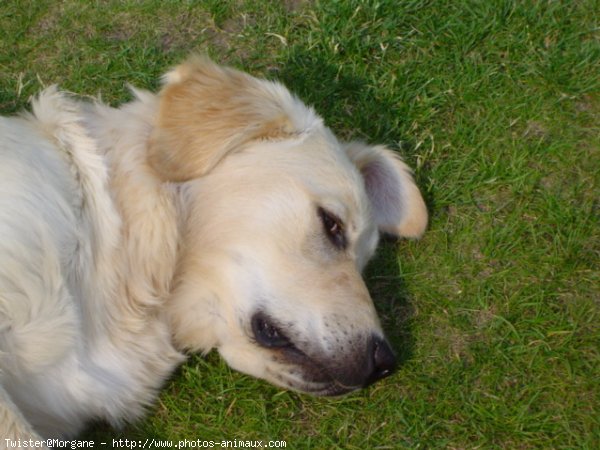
(391, 298)
(347, 102)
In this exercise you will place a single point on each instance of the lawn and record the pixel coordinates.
(494, 313)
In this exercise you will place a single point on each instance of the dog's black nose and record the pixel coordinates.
(384, 361)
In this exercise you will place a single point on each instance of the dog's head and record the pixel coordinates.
(279, 220)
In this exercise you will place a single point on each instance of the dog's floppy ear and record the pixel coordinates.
(206, 111)
(397, 204)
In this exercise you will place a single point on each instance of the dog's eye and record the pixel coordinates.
(267, 334)
(334, 228)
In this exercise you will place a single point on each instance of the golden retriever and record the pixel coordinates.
(219, 213)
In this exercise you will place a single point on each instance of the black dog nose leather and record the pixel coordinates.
(384, 360)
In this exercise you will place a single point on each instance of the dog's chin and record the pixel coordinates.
(323, 387)
(332, 390)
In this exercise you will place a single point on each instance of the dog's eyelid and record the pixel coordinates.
(334, 228)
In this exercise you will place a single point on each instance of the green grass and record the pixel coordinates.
(494, 313)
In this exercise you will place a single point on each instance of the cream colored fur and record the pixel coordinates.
(131, 235)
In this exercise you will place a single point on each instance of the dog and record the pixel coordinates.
(220, 213)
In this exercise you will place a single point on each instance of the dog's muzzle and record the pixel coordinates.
(366, 361)
(355, 371)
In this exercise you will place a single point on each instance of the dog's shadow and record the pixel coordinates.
(391, 298)
(350, 105)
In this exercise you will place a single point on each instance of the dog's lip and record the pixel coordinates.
(333, 389)
(322, 388)
(314, 378)
(330, 388)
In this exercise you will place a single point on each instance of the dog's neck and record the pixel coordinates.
(147, 207)
(144, 247)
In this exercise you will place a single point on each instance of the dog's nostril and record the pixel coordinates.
(384, 361)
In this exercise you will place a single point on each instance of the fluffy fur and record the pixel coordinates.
(220, 213)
